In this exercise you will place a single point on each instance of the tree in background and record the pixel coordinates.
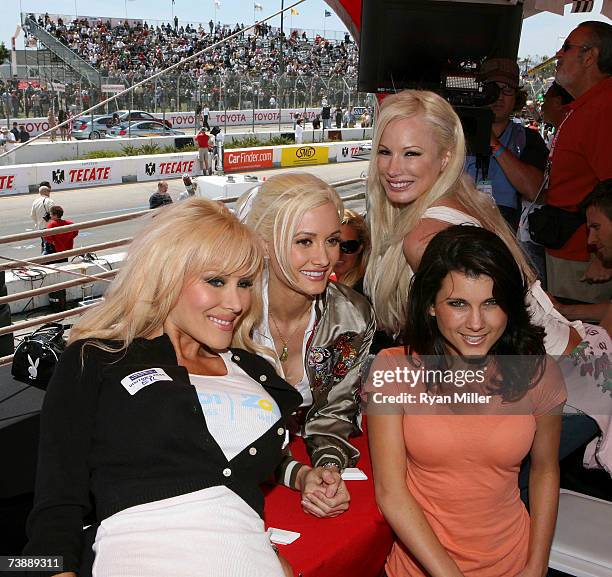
(5, 53)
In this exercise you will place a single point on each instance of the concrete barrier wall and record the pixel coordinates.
(20, 179)
(217, 117)
(56, 151)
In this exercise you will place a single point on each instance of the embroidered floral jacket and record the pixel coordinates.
(334, 356)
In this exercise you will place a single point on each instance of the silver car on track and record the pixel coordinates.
(145, 128)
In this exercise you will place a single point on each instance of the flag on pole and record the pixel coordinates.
(294, 12)
(257, 6)
(327, 13)
(582, 6)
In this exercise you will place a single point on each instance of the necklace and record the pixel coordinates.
(285, 352)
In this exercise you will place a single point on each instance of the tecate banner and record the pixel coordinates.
(81, 174)
(16, 179)
(172, 166)
(349, 151)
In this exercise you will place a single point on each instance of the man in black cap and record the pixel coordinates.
(518, 155)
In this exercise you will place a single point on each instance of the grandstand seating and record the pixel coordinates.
(128, 52)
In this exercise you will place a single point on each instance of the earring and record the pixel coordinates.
(432, 311)
(445, 161)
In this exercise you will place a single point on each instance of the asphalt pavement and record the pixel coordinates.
(100, 202)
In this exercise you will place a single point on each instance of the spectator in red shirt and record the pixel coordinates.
(202, 139)
(581, 158)
(65, 240)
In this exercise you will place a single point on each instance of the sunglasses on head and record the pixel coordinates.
(350, 246)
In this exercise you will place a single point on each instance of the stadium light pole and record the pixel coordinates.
(281, 63)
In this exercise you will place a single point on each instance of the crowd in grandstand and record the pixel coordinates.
(131, 52)
(244, 72)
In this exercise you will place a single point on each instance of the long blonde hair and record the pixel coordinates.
(178, 244)
(356, 221)
(278, 208)
(388, 274)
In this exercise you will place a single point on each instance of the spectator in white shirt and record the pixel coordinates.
(299, 131)
(39, 212)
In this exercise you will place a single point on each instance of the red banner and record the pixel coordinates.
(235, 160)
(23, 84)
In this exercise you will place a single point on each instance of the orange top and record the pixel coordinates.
(463, 469)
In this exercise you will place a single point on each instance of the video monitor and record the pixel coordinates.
(415, 43)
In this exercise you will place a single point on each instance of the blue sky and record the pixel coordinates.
(542, 34)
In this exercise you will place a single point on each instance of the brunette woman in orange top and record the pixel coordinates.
(446, 460)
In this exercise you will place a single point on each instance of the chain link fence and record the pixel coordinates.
(239, 91)
(179, 93)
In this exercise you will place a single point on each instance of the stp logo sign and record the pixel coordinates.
(292, 156)
(305, 152)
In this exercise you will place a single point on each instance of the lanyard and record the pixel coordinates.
(550, 157)
(546, 179)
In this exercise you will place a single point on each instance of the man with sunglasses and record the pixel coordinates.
(581, 157)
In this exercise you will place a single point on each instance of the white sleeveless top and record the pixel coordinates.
(543, 312)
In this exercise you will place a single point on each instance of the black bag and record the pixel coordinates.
(47, 216)
(49, 248)
(552, 227)
(35, 358)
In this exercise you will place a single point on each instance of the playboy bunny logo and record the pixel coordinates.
(33, 368)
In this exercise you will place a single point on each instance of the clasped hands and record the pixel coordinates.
(324, 493)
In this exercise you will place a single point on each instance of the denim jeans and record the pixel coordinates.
(576, 430)
(537, 256)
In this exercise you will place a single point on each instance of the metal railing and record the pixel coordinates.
(67, 55)
(82, 278)
(240, 91)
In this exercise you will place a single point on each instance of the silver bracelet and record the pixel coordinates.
(330, 465)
